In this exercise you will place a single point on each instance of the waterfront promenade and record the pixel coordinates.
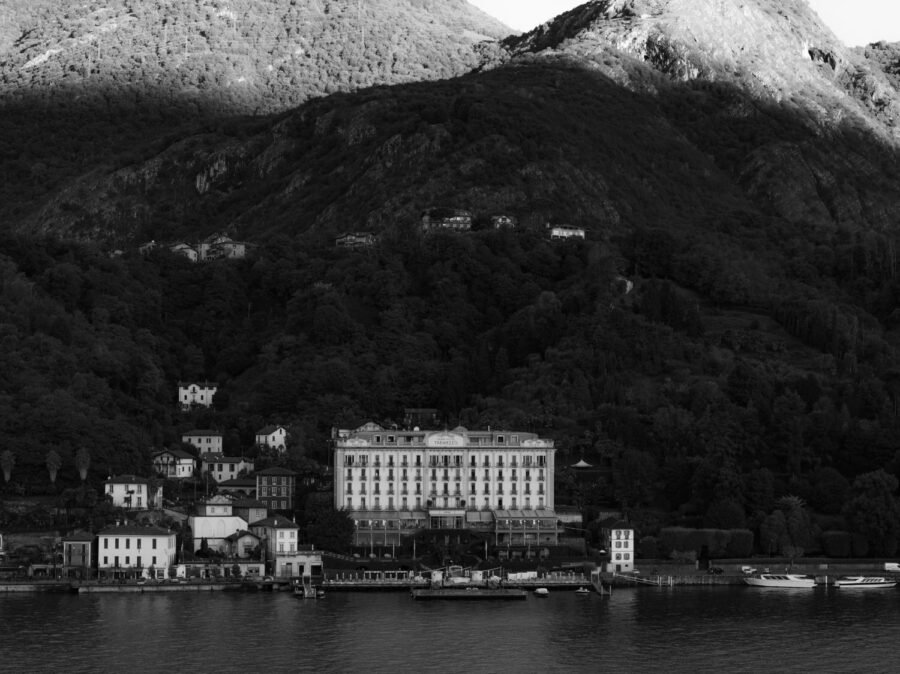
(661, 573)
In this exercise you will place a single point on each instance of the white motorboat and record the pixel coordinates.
(780, 580)
(582, 591)
(864, 582)
(542, 592)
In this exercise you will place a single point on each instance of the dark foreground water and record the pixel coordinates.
(718, 629)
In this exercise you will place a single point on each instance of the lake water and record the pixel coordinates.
(689, 629)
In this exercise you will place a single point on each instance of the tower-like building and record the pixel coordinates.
(397, 482)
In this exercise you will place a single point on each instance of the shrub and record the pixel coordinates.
(837, 543)
(648, 548)
(740, 543)
(860, 545)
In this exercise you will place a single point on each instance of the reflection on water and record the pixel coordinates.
(730, 629)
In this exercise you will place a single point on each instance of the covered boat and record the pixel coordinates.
(864, 582)
(781, 580)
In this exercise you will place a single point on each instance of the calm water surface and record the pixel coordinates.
(718, 629)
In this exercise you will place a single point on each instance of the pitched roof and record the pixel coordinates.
(135, 530)
(240, 534)
(201, 432)
(203, 384)
(248, 503)
(127, 479)
(275, 471)
(216, 457)
(78, 537)
(266, 430)
(276, 522)
(177, 453)
(239, 482)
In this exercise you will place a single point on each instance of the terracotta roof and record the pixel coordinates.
(275, 471)
(266, 430)
(201, 432)
(79, 537)
(276, 522)
(177, 453)
(215, 457)
(135, 530)
(127, 479)
(240, 534)
(248, 503)
(239, 482)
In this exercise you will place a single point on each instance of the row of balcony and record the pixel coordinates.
(456, 492)
(435, 462)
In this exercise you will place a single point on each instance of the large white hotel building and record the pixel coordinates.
(396, 482)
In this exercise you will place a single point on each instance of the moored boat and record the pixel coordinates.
(864, 582)
(542, 592)
(582, 591)
(781, 580)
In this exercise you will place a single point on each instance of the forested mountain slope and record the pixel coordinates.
(725, 335)
(84, 85)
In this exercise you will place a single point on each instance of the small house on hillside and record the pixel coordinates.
(503, 222)
(565, 232)
(275, 487)
(185, 250)
(446, 218)
(174, 463)
(204, 440)
(222, 467)
(196, 393)
(132, 492)
(355, 240)
(274, 437)
(221, 247)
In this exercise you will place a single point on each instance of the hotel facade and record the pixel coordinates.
(394, 483)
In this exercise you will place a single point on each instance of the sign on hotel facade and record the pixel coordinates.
(441, 479)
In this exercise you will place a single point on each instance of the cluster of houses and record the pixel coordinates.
(241, 523)
(214, 247)
(456, 220)
(268, 544)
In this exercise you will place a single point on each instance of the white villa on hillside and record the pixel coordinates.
(196, 393)
(565, 232)
(132, 492)
(274, 437)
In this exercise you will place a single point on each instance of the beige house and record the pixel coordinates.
(223, 468)
(132, 492)
(129, 550)
(205, 441)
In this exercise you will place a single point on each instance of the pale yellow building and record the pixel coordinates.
(397, 482)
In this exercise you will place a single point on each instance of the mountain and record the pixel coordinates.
(726, 334)
(86, 85)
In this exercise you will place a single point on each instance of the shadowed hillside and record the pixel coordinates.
(725, 335)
